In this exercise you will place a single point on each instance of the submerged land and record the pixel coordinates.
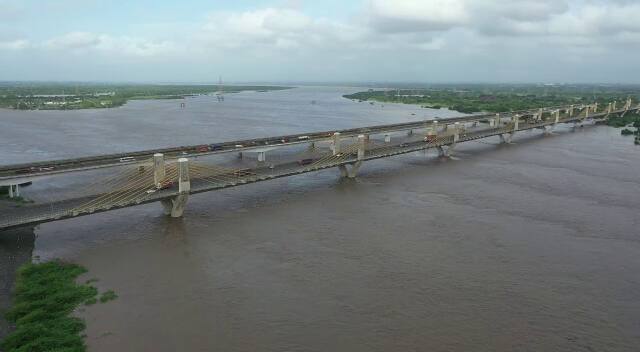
(73, 96)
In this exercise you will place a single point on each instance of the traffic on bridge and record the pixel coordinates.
(170, 175)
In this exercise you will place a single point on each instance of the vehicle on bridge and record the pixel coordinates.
(305, 161)
(430, 138)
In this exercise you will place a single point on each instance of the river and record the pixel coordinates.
(532, 246)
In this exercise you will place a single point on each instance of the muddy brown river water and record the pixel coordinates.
(532, 246)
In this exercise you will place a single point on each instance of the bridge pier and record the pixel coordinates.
(387, 138)
(350, 170)
(175, 206)
(336, 143)
(505, 138)
(14, 191)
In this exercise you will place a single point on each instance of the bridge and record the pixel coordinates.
(171, 175)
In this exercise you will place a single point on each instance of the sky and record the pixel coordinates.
(429, 41)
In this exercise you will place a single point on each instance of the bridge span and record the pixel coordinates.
(170, 175)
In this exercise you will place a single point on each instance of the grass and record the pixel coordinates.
(628, 119)
(45, 296)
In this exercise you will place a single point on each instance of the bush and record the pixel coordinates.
(44, 297)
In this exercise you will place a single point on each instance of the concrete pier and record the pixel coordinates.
(175, 206)
(159, 172)
(14, 191)
(336, 143)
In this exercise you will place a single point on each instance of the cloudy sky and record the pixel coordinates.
(327, 40)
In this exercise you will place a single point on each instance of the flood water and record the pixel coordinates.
(532, 246)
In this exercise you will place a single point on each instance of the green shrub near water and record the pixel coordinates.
(629, 119)
(45, 296)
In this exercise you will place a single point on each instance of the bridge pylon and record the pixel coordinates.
(175, 206)
(336, 143)
(159, 172)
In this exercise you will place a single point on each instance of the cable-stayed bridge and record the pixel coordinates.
(170, 175)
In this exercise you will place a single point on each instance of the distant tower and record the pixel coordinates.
(220, 93)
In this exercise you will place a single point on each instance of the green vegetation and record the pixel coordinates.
(629, 120)
(69, 96)
(45, 296)
(498, 98)
(108, 296)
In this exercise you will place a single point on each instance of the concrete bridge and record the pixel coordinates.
(170, 175)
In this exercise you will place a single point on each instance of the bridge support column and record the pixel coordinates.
(350, 170)
(387, 138)
(175, 206)
(158, 169)
(539, 117)
(498, 120)
(609, 109)
(571, 111)
(362, 142)
(336, 143)
(557, 119)
(410, 133)
(456, 133)
(614, 104)
(505, 138)
(595, 108)
(262, 157)
(14, 191)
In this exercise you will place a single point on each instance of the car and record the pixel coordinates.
(213, 147)
(166, 185)
(126, 159)
(203, 149)
(404, 145)
(153, 190)
(242, 172)
(430, 138)
(303, 137)
(305, 161)
(239, 146)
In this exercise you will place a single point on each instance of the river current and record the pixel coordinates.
(532, 246)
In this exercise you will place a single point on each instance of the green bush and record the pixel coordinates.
(45, 296)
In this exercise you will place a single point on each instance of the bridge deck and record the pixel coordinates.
(317, 158)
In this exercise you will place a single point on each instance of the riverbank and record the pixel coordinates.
(497, 98)
(69, 96)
